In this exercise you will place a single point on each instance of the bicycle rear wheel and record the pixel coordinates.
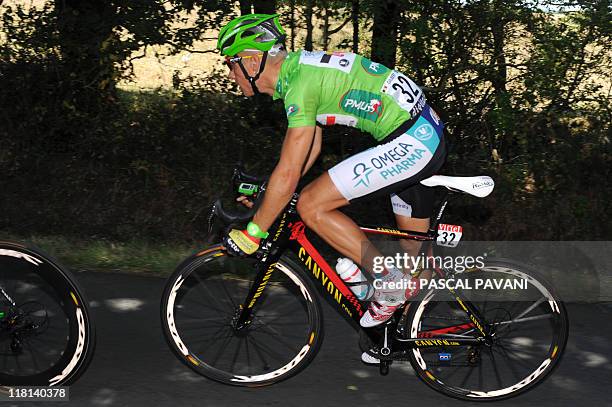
(199, 309)
(529, 330)
(46, 333)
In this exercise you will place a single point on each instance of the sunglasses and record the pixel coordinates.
(230, 61)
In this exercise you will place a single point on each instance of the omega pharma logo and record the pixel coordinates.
(373, 68)
(363, 104)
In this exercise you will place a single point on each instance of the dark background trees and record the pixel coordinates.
(525, 89)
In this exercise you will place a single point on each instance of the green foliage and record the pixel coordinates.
(525, 93)
(97, 254)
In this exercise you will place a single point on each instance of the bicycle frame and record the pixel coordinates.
(290, 233)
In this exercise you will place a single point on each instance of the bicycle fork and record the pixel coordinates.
(244, 316)
(269, 254)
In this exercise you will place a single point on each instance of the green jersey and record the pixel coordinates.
(348, 89)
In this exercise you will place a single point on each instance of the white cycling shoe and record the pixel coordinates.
(369, 359)
(385, 301)
(379, 312)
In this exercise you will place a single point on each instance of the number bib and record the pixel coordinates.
(405, 92)
(449, 235)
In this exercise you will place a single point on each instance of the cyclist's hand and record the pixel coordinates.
(240, 243)
(243, 199)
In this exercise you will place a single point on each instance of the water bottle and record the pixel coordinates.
(350, 273)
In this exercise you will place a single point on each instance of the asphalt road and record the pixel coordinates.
(133, 366)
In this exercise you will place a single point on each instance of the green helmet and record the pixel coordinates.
(250, 32)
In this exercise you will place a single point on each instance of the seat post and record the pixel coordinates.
(434, 225)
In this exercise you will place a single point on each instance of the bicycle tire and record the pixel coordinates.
(291, 275)
(32, 322)
(555, 352)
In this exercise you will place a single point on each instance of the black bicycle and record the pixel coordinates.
(258, 320)
(47, 336)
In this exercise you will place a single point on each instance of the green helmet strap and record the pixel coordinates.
(252, 79)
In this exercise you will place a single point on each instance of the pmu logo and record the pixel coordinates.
(292, 110)
(362, 173)
(363, 104)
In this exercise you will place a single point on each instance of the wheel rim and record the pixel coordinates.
(43, 335)
(280, 334)
(527, 337)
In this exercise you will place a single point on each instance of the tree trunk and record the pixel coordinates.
(355, 20)
(308, 15)
(245, 7)
(384, 32)
(325, 25)
(86, 30)
(500, 74)
(292, 25)
(264, 6)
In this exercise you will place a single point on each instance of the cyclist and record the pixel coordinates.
(326, 88)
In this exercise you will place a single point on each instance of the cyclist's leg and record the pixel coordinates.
(413, 209)
(318, 207)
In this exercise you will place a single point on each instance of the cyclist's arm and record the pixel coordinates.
(286, 175)
(315, 149)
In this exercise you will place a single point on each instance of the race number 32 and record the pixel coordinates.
(449, 235)
(405, 92)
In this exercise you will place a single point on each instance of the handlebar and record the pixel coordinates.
(241, 181)
(230, 217)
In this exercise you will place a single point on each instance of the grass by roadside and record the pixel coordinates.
(103, 255)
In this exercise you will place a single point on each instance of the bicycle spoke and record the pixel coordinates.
(203, 287)
(259, 330)
(32, 354)
(259, 352)
(526, 319)
(215, 335)
(277, 337)
(248, 355)
(510, 362)
(467, 376)
(268, 350)
(495, 369)
(203, 322)
(218, 338)
(530, 308)
(517, 356)
(276, 318)
(227, 294)
(480, 371)
(236, 354)
(221, 349)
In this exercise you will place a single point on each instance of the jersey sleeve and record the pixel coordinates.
(301, 103)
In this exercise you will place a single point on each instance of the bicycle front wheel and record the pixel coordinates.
(199, 310)
(46, 333)
(527, 325)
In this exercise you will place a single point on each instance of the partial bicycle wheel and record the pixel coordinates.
(47, 337)
(199, 309)
(528, 327)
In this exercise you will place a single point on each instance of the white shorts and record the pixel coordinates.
(393, 165)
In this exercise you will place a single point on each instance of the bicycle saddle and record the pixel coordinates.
(479, 186)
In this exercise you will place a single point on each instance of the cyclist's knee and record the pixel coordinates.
(309, 210)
